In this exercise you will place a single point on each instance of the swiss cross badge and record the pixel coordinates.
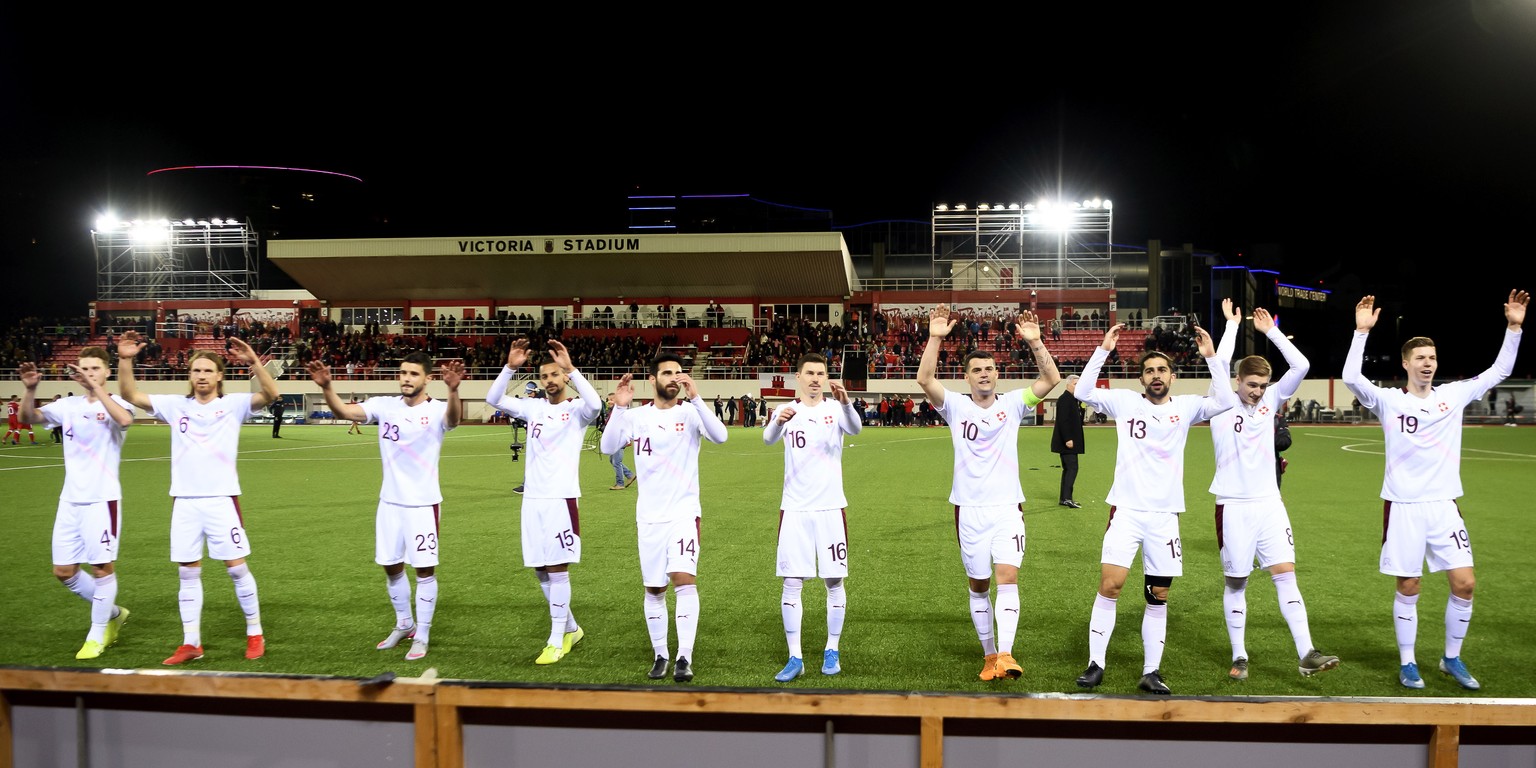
(1174, 419)
(827, 419)
(1263, 410)
(678, 427)
(565, 417)
(1002, 416)
(1444, 407)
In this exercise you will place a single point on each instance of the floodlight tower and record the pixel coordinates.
(1041, 245)
(174, 259)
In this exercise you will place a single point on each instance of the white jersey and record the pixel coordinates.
(205, 439)
(813, 453)
(986, 442)
(555, 435)
(1244, 437)
(1149, 460)
(410, 442)
(93, 447)
(666, 447)
(1423, 434)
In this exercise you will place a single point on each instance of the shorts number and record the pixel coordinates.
(839, 551)
(1460, 537)
(687, 547)
(1176, 548)
(565, 539)
(426, 542)
(234, 535)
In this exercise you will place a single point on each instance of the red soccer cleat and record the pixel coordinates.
(184, 654)
(255, 646)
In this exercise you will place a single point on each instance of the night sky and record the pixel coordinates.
(1382, 146)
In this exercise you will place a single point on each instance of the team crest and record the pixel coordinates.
(1443, 407)
(565, 417)
(1002, 416)
(1174, 419)
(549, 246)
(101, 416)
(425, 420)
(1263, 410)
(678, 427)
(827, 419)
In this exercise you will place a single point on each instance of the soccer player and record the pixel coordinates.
(985, 491)
(15, 423)
(1422, 426)
(551, 525)
(89, 522)
(1147, 494)
(205, 486)
(666, 435)
(1251, 519)
(813, 521)
(411, 431)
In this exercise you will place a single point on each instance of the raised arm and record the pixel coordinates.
(1366, 313)
(1222, 398)
(714, 428)
(773, 431)
(613, 437)
(453, 373)
(128, 347)
(591, 403)
(940, 323)
(850, 419)
(264, 378)
(30, 378)
(1297, 364)
(320, 374)
(1028, 331)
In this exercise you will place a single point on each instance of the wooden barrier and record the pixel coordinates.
(438, 706)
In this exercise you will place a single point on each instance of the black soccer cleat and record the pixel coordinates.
(658, 669)
(1152, 683)
(1092, 676)
(682, 672)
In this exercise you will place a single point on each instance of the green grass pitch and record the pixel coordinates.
(309, 502)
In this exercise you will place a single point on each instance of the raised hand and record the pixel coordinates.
(1366, 313)
(785, 414)
(30, 375)
(839, 392)
(129, 346)
(561, 355)
(1514, 309)
(319, 373)
(690, 390)
(1262, 322)
(1028, 326)
(518, 353)
(940, 322)
(1112, 337)
(1203, 342)
(1233, 314)
(624, 392)
(243, 351)
(453, 373)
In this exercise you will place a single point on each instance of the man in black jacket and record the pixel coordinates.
(1067, 440)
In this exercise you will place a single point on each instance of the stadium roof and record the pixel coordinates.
(770, 265)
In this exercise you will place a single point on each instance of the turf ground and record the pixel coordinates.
(309, 501)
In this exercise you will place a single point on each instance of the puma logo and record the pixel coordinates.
(557, 605)
(792, 605)
(1095, 631)
(1238, 612)
(1011, 610)
(1293, 602)
(1407, 618)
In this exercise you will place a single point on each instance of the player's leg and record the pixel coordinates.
(1452, 553)
(832, 564)
(421, 553)
(796, 560)
(1236, 540)
(1121, 541)
(1162, 560)
(682, 571)
(100, 528)
(1007, 541)
(976, 557)
(187, 551)
(389, 546)
(228, 540)
(652, 542)
(1402, 556)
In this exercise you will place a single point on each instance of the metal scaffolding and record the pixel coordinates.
(201, 259)
(989, 247)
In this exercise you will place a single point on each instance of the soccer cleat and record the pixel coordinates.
(550, 655)
(1092, 676)
(1408, 675)
(1451, 666)
(184, 654)
(90, 650)
(1007, 666)
(115, 626)
(831, 662)
(682, 671)
(1152, 683)
(395, 636)
(1239, 670)
(255, 647)
(989, 667)
(1315, 662)
(1070, 503)
(658, 669)
(418, 650)
(571, 639)
(791, 670)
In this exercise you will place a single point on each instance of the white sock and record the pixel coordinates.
(656, 622)
(245, 592)
(426, 605)
(190, 600)
(981, 617)
(1101, 624)
(837, 611)
(1294, 609)
(559, 606)
(82, 584)
(1234, 601)
(791, 609)
(101, 606)
(400, 598)
(1007, 616)
(687, 618)
(1458, 616)
(1154, 631)
(1405, 620)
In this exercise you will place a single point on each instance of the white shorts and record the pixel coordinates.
(813, 543)
(668, 547)
(1156, 533)
(990, 535)
(551, 532)
(1253, 528)
(87, 533)
(1416, 531)
(212, 519)
(405, 534)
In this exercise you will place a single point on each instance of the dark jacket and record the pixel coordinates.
(1069, 424)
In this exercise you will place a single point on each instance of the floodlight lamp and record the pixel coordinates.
(941, 207)
(959, 206)
(1108, 205)
(997, 206)
(217, 222)
(986, 268)
(982, 207)
(202, 222)
(1029, 206)
(1013, 206)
